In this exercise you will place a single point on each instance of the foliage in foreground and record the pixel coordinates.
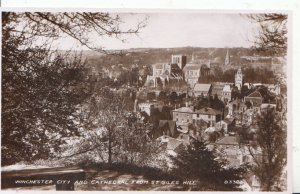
(198, 163)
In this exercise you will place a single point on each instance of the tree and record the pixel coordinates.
(43, 88)
(78, 25)
(198, 163)
(39, 101)
(114, 133)
(272, 36)
(269, 150)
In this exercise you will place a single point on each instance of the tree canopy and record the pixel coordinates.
(272, 36)
(199, 163)
(43, 88)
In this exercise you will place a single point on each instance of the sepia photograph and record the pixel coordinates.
(160, 100)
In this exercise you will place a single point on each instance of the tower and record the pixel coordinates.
(239, 79)
(180, 60)
(227, 61)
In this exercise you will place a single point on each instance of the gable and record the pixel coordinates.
(255, 94)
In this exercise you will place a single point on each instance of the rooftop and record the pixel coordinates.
(227, 140)
(255, 94)
(159, 65)
(202, 87)
(208, 111)
(184, 109)
(192, 67)
(227, 88)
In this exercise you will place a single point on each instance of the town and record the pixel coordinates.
(184, 103)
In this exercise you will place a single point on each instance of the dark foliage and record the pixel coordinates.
(198, 163)
(42, 88)
(269, 149)
(272, 37)
(39, 99)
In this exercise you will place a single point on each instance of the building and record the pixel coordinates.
(202, 90)
(209, 115)
(192, 73)
(239, 79)
(183, 116)
(180, 60)
(227, 125)
(226, 93)
(147, 107)
(171, 145)
(228, 147)
(164, 73)
(236, 106)
(255, 99)
(217, 89)
(275, 89)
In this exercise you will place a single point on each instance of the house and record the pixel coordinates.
(275, 89)
(265, 106)
(202, 90)
(167, 127)
(228, 148)
(171, 145)
(255, 99)
(226, 93)
(217, 89)
(236, 106)
(147, 106)
(183, 116)
(208, 115)
(227, 125)
(191, 74)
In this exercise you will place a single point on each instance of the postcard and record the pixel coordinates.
(145, 100)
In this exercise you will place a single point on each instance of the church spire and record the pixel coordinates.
(227, 59)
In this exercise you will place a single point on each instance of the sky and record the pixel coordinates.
(178, 29)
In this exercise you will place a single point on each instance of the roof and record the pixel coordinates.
(159, 65)
(228, 140)
(210, 130)
(192, 67)
(202, 87)
(267, 106)
(173, 143)
(228, 120)
(255, 94)
(208, 111)
(184, 109)
(226, 88)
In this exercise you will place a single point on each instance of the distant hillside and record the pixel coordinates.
(148, 56)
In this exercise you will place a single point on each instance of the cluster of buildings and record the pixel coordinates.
(218, 127)
(176, 126)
